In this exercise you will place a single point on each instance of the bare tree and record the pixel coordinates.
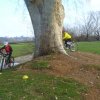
(97, 25)
(75, 20)
(90, 24)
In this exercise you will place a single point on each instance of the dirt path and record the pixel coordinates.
(85, 69)
(89, 73)
(23, 59)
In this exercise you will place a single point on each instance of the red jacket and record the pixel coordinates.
(7, 48)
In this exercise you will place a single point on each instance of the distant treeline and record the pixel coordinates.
(85, 38)
(16, 39)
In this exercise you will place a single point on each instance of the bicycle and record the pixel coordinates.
(3, 61)
(72, 46)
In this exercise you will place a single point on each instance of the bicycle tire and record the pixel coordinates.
(2, 63)
(73, 47)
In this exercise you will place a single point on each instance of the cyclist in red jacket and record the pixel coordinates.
(8, 49)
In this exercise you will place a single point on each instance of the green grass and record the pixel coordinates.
(40, 64)
(92, 47)
(22, 49)
(27, 48)
(39, 86)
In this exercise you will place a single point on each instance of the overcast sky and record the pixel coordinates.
(15, 20)
(76, 9)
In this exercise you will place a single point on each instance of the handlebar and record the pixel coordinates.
(3, 54)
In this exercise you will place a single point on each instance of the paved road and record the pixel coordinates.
(23, 59)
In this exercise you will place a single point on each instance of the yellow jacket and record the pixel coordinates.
(66, 36)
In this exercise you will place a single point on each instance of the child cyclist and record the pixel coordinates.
(8, 50)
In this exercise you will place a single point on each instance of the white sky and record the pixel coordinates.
(76, 9)
(95, 5)
(15, 21)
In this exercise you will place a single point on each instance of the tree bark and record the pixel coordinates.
(47, 19)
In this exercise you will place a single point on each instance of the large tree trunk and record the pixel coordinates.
(47, 19)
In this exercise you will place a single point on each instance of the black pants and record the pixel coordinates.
(8, 57)
(68, 40)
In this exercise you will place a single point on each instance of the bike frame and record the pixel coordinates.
(72, 46)
(3, 61)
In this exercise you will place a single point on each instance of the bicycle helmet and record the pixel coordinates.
(6, 43)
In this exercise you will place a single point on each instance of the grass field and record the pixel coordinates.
(22, 49)
(27, 48)
(39, 86)
(92, 47)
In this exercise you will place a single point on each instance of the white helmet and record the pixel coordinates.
(6, 43)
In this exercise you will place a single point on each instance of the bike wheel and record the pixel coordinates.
(73, 46)
(2, 64)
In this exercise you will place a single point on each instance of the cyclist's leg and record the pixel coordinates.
(12, 61)
(8, 59)
(66, 43)
(69, 43)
